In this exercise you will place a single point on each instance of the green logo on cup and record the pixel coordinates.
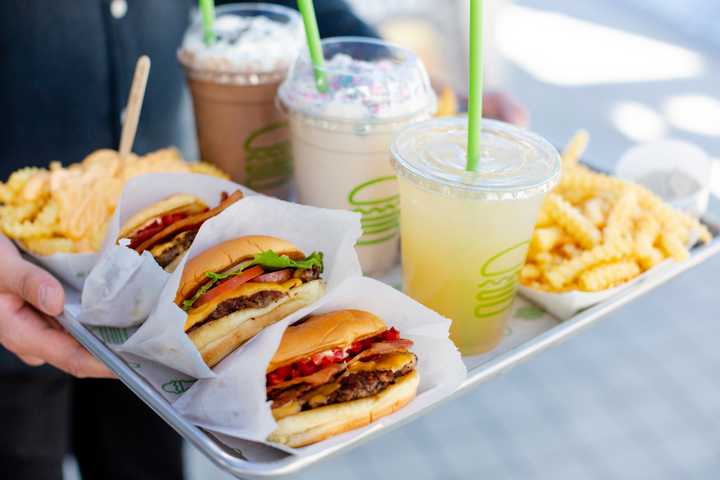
(177, 386)
(268, 157)
(499, 277)
(380, 212)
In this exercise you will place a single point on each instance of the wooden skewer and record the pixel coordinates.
(134, 105)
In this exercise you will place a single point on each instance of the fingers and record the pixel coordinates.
(31, 283)
(27, 334)
(32, 361)
(501, 106)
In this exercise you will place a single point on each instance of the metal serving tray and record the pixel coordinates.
(530, 331)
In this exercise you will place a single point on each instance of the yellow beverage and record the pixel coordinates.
(465, 235)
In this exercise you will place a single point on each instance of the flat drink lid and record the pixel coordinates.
(256, 39)
(514, 163)
(368, 80)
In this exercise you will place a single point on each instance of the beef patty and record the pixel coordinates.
(310, 274)
(257, 300)
(366, 384)
(181, 244)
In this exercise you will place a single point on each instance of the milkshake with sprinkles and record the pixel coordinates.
(341, 137)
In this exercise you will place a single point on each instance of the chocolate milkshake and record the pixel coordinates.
(234, 82)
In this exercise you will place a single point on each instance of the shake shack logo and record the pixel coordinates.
(177, 386)
(379, 204)
(499, 277)
(268, 158)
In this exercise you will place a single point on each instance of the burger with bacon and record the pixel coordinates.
(168, 227)
(337, 372)
(236, 288)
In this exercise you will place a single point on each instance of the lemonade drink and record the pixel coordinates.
(341, 138)
(465, 235)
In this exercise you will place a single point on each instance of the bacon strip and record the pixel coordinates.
(318, 378)
(384, 348)
(189, 223)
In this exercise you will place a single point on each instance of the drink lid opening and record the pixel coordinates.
(368, 80)
(514, 163)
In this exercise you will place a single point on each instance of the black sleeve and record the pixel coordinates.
(335, 18)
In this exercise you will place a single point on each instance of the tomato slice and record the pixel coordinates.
(229, 284)
(391, 335)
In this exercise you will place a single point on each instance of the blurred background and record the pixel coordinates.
(637, 396)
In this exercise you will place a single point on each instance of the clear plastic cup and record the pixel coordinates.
(234, 84)
(341, 138)
(465, 235)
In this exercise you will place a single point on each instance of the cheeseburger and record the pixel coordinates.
(235, 289)
(337, 372)
(168, 227)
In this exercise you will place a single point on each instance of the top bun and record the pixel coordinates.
(227, 254)
(163, 207)
(324, 332)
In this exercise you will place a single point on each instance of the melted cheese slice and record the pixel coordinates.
(319, 395)
(290, 408)
(392, 362)
(199, 314)
(160, 248)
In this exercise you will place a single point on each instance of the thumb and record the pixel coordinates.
(31, 283)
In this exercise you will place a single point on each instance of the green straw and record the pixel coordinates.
(207, 9)
(475, 90)
(313, 40)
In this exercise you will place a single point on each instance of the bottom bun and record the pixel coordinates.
(318, 424)
(218, 338)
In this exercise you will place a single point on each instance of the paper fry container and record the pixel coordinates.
(71, 268)
(565, 305)
(233, 405)
(334, 232)
(123, 287)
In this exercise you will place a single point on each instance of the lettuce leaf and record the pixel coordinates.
(272, 260)
(269, 260)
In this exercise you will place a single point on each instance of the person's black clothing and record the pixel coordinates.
(34, 436)
(67, 67)
(113, 434)
(117, 437)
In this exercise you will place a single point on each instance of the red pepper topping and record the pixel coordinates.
(157, 225)
(305, 367)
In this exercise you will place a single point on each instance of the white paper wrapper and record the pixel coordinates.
(565, 305)
(334, 232)
(123, 287)
(233, 405)
(71, 268)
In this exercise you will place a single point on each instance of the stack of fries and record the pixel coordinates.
(596, 232)
(67, 209)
